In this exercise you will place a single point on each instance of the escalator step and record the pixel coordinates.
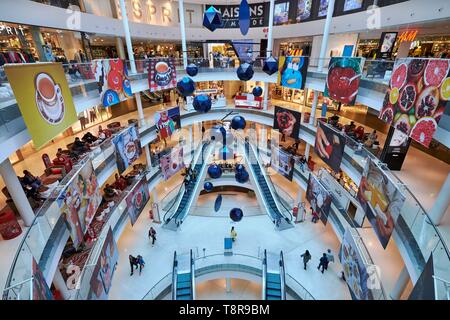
(273, 285)
(268, 297)
(274, 293)
(183, 292)
(187, 297)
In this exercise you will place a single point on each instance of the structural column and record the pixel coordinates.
(120, 48)
(61, 285)
(400, 284)
(16, 191)
(442, 203)
(126, 29)
(228, 284)
(269, 51)
(183, 32)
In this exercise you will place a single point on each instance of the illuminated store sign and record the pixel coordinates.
(6, 30)
(409, 35)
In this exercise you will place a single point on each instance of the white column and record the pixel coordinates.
(326, 33)
(308, 146)
(266, 95)
(400, 284)
(269, 33)
(17, 194)
(126, 29)
(299, 196)
(120, 48)
(191, 139)
(314, 107)
(228, 284)
(61, 285)
(183, 32)
(137, 97)
(441, 204)
(147, 157)
(263, 137)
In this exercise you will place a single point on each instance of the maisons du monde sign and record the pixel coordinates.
(259, 14)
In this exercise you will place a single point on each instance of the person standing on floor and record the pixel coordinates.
(306, 257)
(233, 234)
(133, 263)
(323, 262)
(330, 257)
(141, 263)
(152, 234)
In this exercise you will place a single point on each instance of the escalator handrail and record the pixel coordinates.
(264, 275)
(282, 277)
(174, 276)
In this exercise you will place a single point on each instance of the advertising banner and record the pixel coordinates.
(281, 13)
(319, 198)
(293, 72)
(172, 162)
(323, 7)
(40, 289)
(162, 74)
(112, 78)
(287, 122)
(282, 162)
(386, 44)
(259, 14)
(303, 10)
(395, 149)
(355, 270)
(71, 267)
(79, 201)
(137, 199)
(44, 99)
(329, 146)
(417, 97)
(167, 122)
(381, 200)
(350, 5)
(108, 260)
(128, 148)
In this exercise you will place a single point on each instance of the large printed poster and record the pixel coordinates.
(44, 99)
(172, 163)
(381, 200)
(108, 260)
(162, 74)
(281, 13)
(319, 198)
(167, 121)
(282, 162)
(40, 289)
(113, 82)
(137, 199)
(329, 146)
(303, 10)
(293, 72)
(128, 148)
(79, 201)
(287, 122)
(344, 75)
(355, 270)
(418, 94)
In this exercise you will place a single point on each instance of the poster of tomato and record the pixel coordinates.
(418, 93)
(344, 75)
(137, 199)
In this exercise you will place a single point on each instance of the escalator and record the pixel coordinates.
(183, 284)
(273, 277)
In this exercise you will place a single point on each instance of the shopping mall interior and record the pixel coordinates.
(225, 150)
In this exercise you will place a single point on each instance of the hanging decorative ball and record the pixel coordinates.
(244, 17)
(208, 186)
(212, 19)
(240, 167)
(192, 69)
(238, 122)
(236, 214)
(214, 171)
(186, 86)
(202, 103)
(270, 66)
(245, 71)
(242, 176)
(257, 91)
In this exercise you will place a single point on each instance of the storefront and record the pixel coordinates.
(293, 47)
(16, 44)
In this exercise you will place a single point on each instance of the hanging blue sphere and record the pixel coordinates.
(257, 91)
(214, 171)
(245, 72)
(236, 214)
(270, 66)
(192, 69)
(212, 19)
(242, 176)
(208, 186)
(244, 17)
(202, 103)
(186, 86)
(238, 122)
(240, 168)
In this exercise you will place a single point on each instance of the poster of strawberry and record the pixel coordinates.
(418, 93)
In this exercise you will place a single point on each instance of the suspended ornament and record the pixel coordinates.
(240, 167)
(202, 103)
(236, 214)
(244, 17)
(245, 71)
(257, 91)
(270, 66)
(192, 70)
(186, 86)
(214, 171)
(208, 186)
(238, 122)
(212, 19)
(242, 176)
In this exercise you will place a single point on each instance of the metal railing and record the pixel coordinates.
(282, 277)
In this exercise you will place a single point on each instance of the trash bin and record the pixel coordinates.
(9, 227)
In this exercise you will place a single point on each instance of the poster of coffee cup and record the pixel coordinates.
(128, 148)
(329, 146)
(136, 200)
(282, 162)
(293, 72)
(44, 99)
(113, 82)
(381, 200)
(172, 162)
(287, 122)
(344, 75)
(319, 198)
(167, 121)
(162, 74)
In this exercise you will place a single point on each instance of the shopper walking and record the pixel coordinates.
(133, 263)
(233, 234)
(306, 257)
(323, 262)
(141, 263)
(330, 257)
(152, 234)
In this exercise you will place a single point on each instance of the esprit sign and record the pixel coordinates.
(10, 30)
